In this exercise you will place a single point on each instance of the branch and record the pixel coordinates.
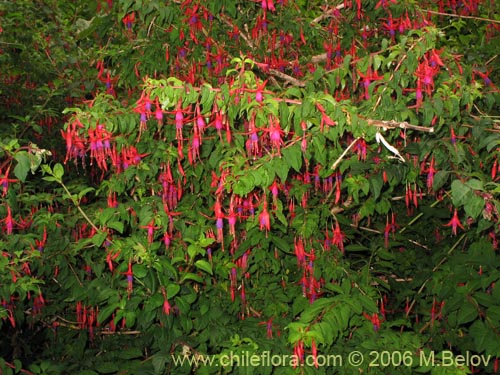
(334, 166)
(461, 16)
(396, 124)
(287, 78)
(242, 35)
(327, 14)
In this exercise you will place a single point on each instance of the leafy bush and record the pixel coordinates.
(204, 180)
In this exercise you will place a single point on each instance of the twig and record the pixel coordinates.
(77, 205)
(461, 16)
(391, 124)
(21, 370)
(327, 14)
(287, 78)
(319, 58)
(243, 36)
(422, 287)
(334, 166)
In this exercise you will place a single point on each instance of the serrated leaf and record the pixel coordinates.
(467, 313)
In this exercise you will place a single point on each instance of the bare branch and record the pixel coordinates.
(391, 124)
(287, 78)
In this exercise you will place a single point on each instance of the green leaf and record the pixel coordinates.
(106, 312)
(204, 266)
(140, 270)
(191, 276)
(293, 156)
(116, 225)
(376, 184)
(98, 238)
(23, 165)
(107, 367)
(440, 178)
(474, 206)
(172, 290)
(244, 185)
(467, 313)
(460, 193)
(58, 171)
(280, 167)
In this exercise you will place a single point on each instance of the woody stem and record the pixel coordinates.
(78, 207)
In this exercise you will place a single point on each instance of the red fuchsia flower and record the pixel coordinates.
(232, 218)
(179, 121)
(391, 25)
(269, 327)
(274, 188)
(38, 304)
(268, 5)
(9, 221)
(166, 305)
(259, 96)
(298, 353)
(375, 320)
(314, 353)
(130, 279)
(325, 119)
(194, 147)
(300, 252)
(361, 149)
(425, 73)
(390, 227)
(338, 237)
(111, 257)
(385, 4)
(130, 156)
(200, 121)
(486, 79)
(75, 145)
(431, 171)
(40, 244)
(252, 144)
(151, 230)
(4, 181)
(275, 134)
(128, 20)
(264, 218)
(158, 112)
(454, 223)
(366, 80)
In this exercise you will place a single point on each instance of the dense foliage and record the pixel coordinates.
(212, 177)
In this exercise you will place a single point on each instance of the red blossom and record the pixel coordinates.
(454, 223)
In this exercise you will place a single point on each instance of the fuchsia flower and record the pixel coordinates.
(338, 237)
(454, 223)
(264, 219)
